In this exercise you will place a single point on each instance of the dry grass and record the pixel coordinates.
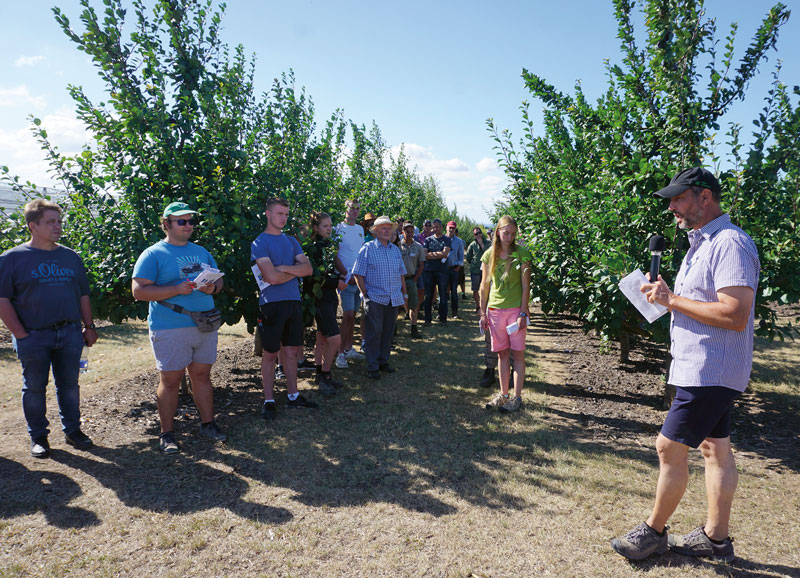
(407, 476)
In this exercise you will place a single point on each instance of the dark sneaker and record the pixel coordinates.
(697, 543)
(456, 315)
(268, 410)
(415, 334)
(512, 404)
(40, 447)
(211, 431)
(640, 543)
(305, 366)
(427, 324)
(300, 402)
(279, 374)
(374, 374)
(328, 378)
(488, 378)
(326, 384)
(167, 443)
(78, 440)
(386, 368)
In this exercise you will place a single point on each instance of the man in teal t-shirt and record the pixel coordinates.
(164, 272)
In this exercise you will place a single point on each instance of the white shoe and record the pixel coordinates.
(353, 354)
(341, 362)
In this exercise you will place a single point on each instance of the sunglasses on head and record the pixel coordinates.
(184, 222)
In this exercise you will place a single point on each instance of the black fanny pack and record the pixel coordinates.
(206, 321)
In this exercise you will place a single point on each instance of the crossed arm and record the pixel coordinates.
(275, 275)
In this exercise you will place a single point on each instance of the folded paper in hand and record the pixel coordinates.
(514, 327)
(262, 284)
(208, 275)
(631, 287)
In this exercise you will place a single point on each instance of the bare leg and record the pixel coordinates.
(721, 481)
(476, 295)
(347, 328)
(319, 346)
(203, 394)
(673, 477)
(329, 352)
(268, 372)
(167, 398)
(518, 359)
(290, 366)
(504, 362)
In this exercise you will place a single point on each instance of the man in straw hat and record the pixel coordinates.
(380, 276)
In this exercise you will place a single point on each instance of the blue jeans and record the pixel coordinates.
(38, 352)
(441, 280)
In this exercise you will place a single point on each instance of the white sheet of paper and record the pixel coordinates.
(259, 278)
(631, 287)
(208, 275)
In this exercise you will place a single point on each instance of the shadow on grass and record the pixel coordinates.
(418, 438)
(143, 478)
(25, 491)
(739, 568)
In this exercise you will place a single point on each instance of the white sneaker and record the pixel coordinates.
(341, 362)
(353, 354)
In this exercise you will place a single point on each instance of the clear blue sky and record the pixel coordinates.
(429, 73)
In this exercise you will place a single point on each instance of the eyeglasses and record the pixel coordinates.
(184, 222)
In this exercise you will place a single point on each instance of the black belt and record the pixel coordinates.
(409, 276)
(58, 325)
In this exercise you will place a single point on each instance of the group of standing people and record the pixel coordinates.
(44, 302)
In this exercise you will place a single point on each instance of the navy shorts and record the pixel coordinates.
(326, 316)
(475, 281)
(281, 323)
(698, 413)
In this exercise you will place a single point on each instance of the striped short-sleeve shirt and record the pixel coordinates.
(720, 255)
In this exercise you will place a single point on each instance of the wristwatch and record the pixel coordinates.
(91, 326)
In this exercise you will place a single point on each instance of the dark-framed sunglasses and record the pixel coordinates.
(184, 222)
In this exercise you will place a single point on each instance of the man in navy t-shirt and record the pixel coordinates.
(281, 263)
(436, 273)
(44, 296)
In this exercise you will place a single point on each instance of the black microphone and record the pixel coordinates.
(657, 246)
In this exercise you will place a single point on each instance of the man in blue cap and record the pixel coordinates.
(711, 332)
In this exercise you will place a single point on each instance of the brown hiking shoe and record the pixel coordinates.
(497, 401)
(640, 543)
(512, 404)
(697, 543)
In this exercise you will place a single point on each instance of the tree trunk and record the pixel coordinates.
(624, 346)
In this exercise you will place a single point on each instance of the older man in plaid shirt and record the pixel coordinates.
(380, 273)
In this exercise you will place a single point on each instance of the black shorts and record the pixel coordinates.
(281, 324)
(325, 316)
(699, 413)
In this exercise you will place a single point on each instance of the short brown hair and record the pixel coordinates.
(351, 202)
(272, 201)
(34, 210)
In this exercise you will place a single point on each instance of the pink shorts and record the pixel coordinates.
(498, 320)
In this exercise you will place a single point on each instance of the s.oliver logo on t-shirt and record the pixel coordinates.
(52, 273)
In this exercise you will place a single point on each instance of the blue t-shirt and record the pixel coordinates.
(281, 250)
(166, 264)
(434, 245)
(44, 287)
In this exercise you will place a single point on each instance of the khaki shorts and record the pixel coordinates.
(175, 349)
(413, 296)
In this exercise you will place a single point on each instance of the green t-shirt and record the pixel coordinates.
(506, 291)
